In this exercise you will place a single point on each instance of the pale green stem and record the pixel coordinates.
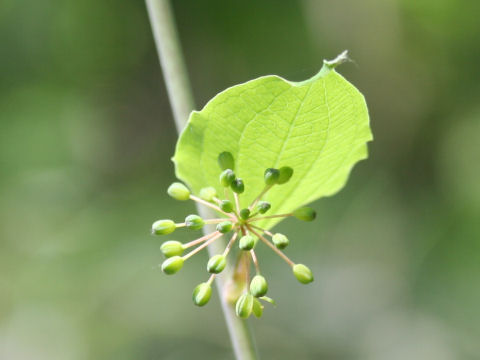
(278, 252)
(269, 217)
(199, 240)
(205, 244)
(257, 199)
(181, 99)
(210, 205)
(237, 202)
(210, 279)
(230, 244)
(214, 221)
(261, 229)
(255, 261)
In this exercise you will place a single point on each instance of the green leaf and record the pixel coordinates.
(319, 127)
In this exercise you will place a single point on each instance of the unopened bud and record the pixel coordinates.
(244, 214)
(258, 286)
(178, 191)
(194, 222)
(208, 193)
(227, 177)
(286, 173)
(280, 241)
(171, 248)
(172, 265)
(216, 264)
(227, 206)
(257, 308)
(263, 207)
(238, 186)
(269, 300)
(246, 242)
(244, 305)
(224, 227)
(201, 294)
(305, 214)
(163, 227)
(302, 273)
(271, 176)
(225, 160)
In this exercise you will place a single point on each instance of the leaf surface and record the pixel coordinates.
(319, 127)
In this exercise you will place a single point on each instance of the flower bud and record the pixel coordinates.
(178, 191)
(225, 160)
(271, 176)
(194, 222)
(263, 207)
(244, 305)
(224, 227)
(244, 214)
(257, 308)
(305, 214)
(286, 173)
(280, 241)
(163, 227)
(216, 264)
(258, 286)
(269, 300)
(201, 294)
(302, 273)
(172, 265)
(238, 186)
(208, 193)
(227, 177)
(246, 242)
(171, 248)
(227, 206)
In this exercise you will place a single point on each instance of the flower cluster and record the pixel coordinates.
(242, 224)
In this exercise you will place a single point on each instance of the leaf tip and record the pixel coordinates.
(340, 59)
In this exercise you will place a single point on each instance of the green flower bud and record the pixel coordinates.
(172, 265)
(224, 227)
(263, 207)
(227, 177)
(271, 176)
(171, 248)
(244, 214)
(208, 193)
(246, 242)
(194, 222)
(201, 294)
(163, 227)
(225, 160)
(305, 214)
(244, 305)
(227, 206)
(216, 264)
(302, 273)
(178, 191)
(269, 300)
(286, 173)
(238, 186)
(280, 241)
(258, 286)
(257, 308)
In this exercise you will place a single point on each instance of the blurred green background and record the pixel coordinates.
(86, 135)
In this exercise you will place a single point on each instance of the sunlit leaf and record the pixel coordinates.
(319, 127)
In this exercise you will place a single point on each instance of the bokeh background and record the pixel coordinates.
(86, 136)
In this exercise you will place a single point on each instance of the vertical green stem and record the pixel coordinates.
(181, 100)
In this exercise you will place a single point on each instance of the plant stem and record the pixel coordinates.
(181, 100)
(268, 243)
